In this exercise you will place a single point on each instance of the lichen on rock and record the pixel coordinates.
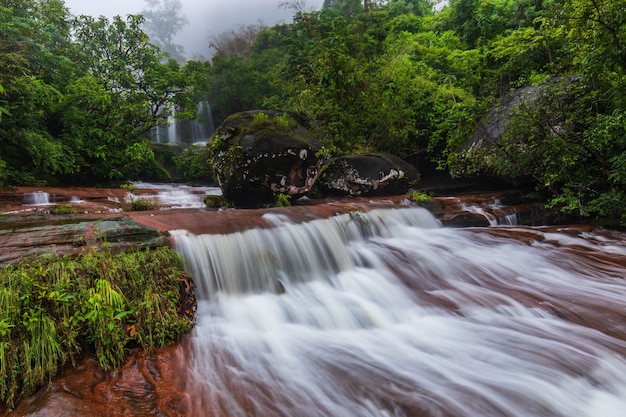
(260, 153)
(367, 174)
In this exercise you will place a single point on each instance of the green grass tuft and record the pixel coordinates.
(54, 308)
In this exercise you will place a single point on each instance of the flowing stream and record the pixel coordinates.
(386, 313)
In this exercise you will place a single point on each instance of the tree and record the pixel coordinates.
(294, 6)
(33, 43)
(347, 8)
(81, 96)
(237, 41)
(596, 30)
(163, 20)
(132, 88)
(3, 110)
(246, 80)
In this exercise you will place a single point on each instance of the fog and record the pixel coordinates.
(206, 17)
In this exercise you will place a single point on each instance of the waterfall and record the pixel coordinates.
(172, 127)
(37, 198)
(202, 128)
(386, 313)
(194, 131)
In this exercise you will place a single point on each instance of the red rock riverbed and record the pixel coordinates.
(156, 384)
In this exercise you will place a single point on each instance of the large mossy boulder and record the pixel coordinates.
(506, 122)
(259, 154)
(367, 175)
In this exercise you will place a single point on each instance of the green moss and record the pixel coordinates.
(54, 308)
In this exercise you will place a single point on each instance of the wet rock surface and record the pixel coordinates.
(32, 230)
(145, 385)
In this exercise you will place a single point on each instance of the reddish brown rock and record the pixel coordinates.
(146, 385)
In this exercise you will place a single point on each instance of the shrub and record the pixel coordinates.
(420, 198)
(54, 308)
(128, 187)
(64, 209)
(140, 204)
(282, 200)
(193, 163)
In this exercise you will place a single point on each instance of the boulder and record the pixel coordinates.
(259, 154)
(491, 130)
(367, 174)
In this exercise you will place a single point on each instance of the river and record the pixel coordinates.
(387, 313)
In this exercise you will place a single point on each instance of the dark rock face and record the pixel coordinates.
(259, 154)
(495, 124)
(368, 174)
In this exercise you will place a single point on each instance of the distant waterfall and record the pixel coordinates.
(186, 131)
(385, 313)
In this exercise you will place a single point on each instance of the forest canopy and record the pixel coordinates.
(79, 96)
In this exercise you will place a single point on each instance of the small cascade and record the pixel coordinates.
(472, 208)
(385, 313)
(492, 211)
(167, 133)
(37, 198)
(508, 220)
(174, 196)
(258, 260)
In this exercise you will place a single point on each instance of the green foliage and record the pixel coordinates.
(129, 187)
(244, 82)
(215, 201)
(260, 119)
(575, 154)
(3, 110)
(282, 200)
(420, 198)
(139, 203)
(64, 209)
(55, 308)
(193, 163)
(82, 94)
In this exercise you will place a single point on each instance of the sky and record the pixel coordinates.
(206, 17)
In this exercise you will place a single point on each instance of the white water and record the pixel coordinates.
(37, 198)
(386, 314)
(196, 131)
(175, 195)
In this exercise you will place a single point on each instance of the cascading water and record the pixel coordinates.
(196, 131)
(387, 314)
(37, 198)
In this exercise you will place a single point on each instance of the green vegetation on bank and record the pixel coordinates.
(397, 76)
(55, 309)
(79, 96)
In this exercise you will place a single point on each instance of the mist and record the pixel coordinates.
(206, 17)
